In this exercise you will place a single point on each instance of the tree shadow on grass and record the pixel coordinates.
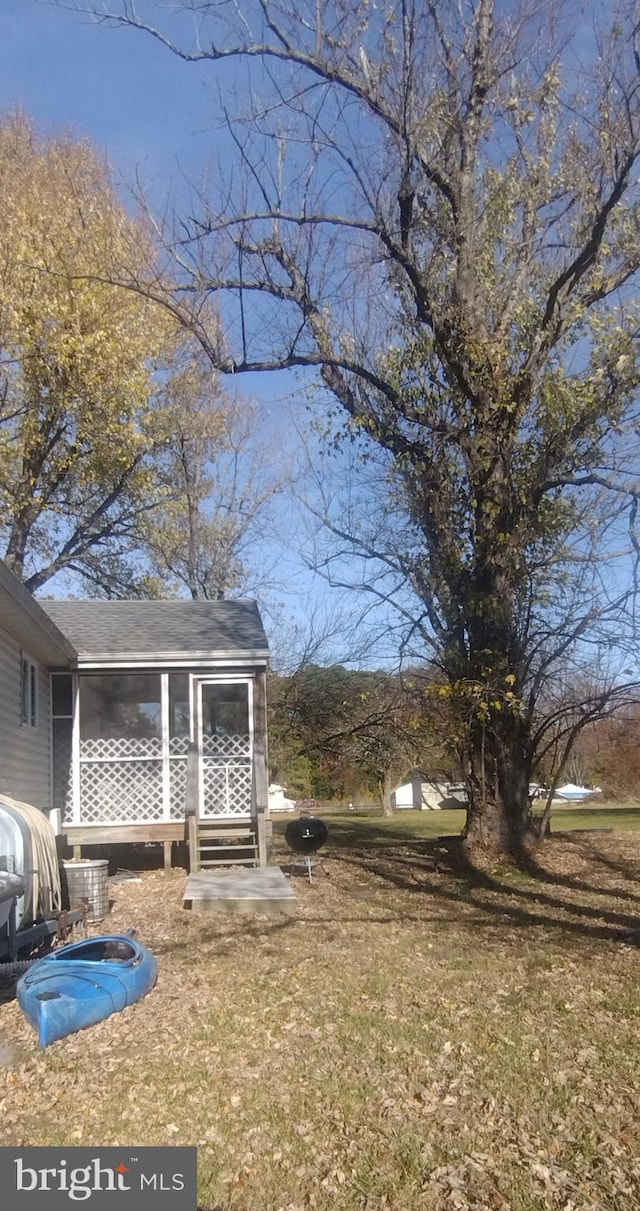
(580, 845)
(438, 869)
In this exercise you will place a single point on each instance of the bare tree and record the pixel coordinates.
(435, 206)
(220, 473)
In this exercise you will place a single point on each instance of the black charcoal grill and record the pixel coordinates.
(305, 837)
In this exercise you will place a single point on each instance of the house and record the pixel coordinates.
(111, 710)
(30, 645)
(427, 794)
(411, 796)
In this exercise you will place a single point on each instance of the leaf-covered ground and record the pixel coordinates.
(413, 1038)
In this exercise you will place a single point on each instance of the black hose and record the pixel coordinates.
(18, 968)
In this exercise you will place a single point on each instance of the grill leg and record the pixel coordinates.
(309, 868)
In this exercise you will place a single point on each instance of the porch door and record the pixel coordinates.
(225, 747)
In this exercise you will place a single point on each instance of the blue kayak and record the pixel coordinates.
(84, 983)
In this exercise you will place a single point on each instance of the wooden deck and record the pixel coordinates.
(264, 889)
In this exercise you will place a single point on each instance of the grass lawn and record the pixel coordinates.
(433, 824)
(416, 1037)
(585, 816)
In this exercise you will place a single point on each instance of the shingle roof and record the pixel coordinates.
(160, 630)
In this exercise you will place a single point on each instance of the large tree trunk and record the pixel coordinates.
(498, 788)
(489, 682)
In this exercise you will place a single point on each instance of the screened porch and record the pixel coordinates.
(121, 740)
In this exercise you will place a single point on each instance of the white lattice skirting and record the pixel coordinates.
(126, 781)
(177, 788)
(129, 792)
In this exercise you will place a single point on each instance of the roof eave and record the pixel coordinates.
(49, 644)
(231, 656)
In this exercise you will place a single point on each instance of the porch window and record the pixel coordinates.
(179, 711)
(121, 757)
(125, 707)
(225, 710)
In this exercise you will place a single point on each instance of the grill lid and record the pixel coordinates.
(306, 835)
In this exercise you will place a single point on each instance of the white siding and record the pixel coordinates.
(24, 750)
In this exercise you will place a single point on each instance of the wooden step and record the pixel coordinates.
(216, 852)
(229, 856)
(218, 843)
(224, 843)
(236, 860)
(232, 834)
(211, 862)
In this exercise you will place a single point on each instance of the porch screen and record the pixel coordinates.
(121, 748)
(225, 711)
(179, 736)
(61, 741)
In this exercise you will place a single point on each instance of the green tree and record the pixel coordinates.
(121, 460)
(345, 720)
(439, 212)
(77, 361)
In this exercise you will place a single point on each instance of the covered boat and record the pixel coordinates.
(11, 888)
(576, 794)
(84, 983)
(28, 847)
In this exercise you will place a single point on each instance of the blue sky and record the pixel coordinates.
(148, 113)
(132, 99)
